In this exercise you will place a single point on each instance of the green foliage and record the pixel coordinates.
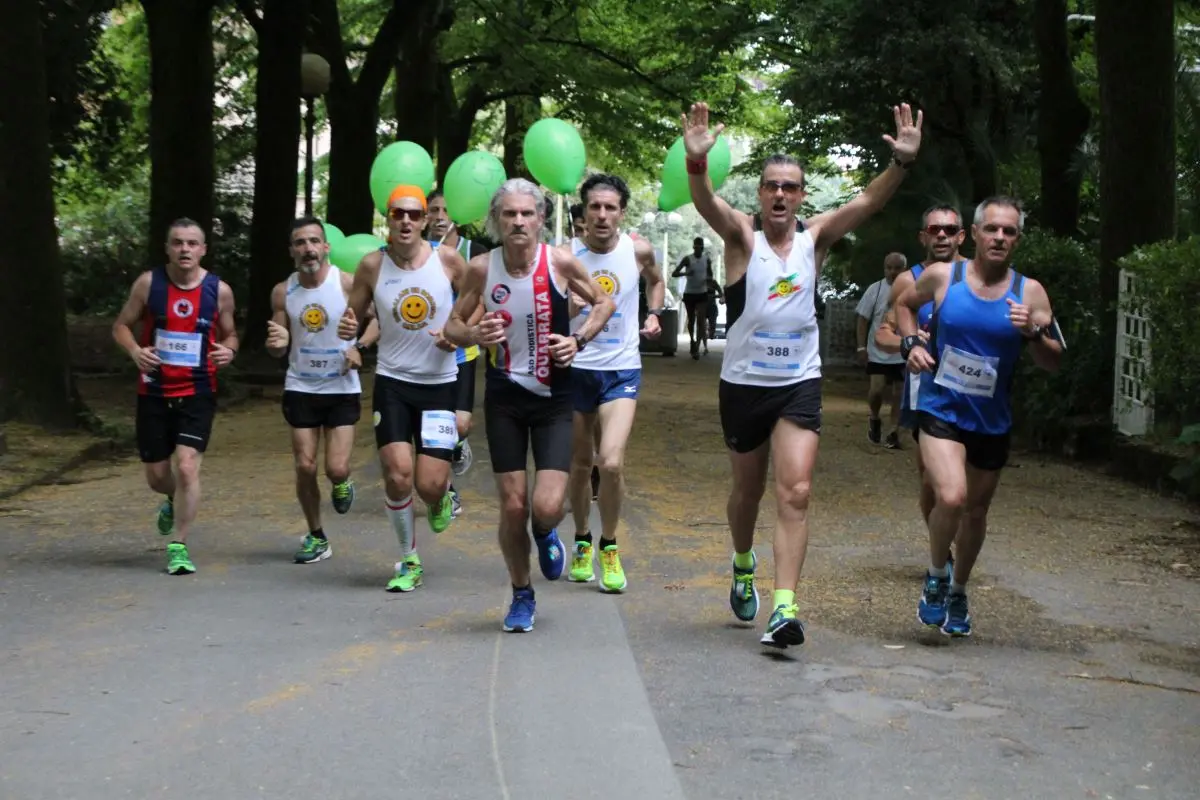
(1083, 385)
(103, 245)
(1167, 288)
(1189, 469)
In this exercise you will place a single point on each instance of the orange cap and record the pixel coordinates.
(408, 190)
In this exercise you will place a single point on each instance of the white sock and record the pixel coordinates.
(956, 587)
(939, 572)
(400, 514)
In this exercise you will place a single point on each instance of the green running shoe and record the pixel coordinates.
(582, 570)
(178, 562)
(343, 496)
(783, 629)
(166, 517)
(440, 513)
(313, 549)
(612, 577)
(408, 575)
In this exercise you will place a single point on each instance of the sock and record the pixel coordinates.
(526, 588)
(943, 572)
(783, 598)
(607, 543)
(957, 588)
(586, 537)
(400, 514)
(319, 533)
(540, 531)
(744, 560)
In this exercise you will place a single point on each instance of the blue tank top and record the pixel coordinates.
(925, 312)
(977, 349)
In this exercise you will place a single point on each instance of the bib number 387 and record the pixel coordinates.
(438, 430)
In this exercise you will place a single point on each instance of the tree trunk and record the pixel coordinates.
(352, 150)
(276, 155)
(35, 370)
(1062, 120)
(181, 125)
(416, 93)
(519, 114)
(1135, 54)
(454, 137)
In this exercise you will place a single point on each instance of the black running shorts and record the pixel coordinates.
(515, 418)
(749, 413)
(310, 410)
(984, 451)
(164, 423)
(401, 410)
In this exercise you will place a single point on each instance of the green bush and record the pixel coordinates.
(1167, 291)
(103, 247)
(1082, 387)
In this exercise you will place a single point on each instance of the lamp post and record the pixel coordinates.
(314, 81)
(668, 223)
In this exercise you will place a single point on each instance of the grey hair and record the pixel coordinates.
(894, 258)
(1001, 200)
(512, 186)
(784, 160)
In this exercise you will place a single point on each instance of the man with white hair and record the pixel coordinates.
(524, 285)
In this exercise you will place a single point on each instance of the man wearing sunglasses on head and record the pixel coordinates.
(413, 288)
(941, 235)
(985, 314)
(770, 390)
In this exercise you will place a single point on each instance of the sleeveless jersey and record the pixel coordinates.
(976, 348)
(316, 357)
(912, 383)
(532, 307)
(465, 354)
(181, 325)
(616, 346)
(410, 303)
(773, 340)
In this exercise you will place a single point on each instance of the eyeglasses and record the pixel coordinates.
(788, 187)
(949, 230)
(414, 214)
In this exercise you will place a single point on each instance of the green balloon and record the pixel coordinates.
(675, 178)
(399, 162)
(469, 185)
(346, 254)
(555, 154)
(333, 234)
(670, 199)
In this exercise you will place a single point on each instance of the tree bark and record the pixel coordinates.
(1062, 120)
(519, 114)
(35, 371)
(276, 156)
(416, 72)
(1135, 54)
(181, 120)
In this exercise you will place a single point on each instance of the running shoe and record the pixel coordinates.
(931, 608)
(455, 503)
(551, 555)
(313, 549)
(958, 617)
(343, 496)
(440, 513)
(582, 570)
(783, 629)
(408, 575)
(166, 517)
(521, 612)
(178, 562)
(743, 599)
(612, 577)
(463, 458)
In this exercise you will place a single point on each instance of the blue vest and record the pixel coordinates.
(924, 315)
(976, 348)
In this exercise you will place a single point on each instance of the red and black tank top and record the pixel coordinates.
(181, 325)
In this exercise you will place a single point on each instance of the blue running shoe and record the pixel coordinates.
(783, 629)
(958, 618)
(520, 613)
(743, 598)
(551, 555)
(931, 609)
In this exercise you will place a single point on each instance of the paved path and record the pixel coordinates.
(261, 678)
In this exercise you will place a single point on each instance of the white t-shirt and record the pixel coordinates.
(872, 307)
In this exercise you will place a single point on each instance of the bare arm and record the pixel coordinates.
(580, 281)
(731, 225)
(831, 226)
(861, 333)
(460, 330)
(887, 338)
(680, 269)
(656, 288)
(370, 333)
(1046, 349)
(923, 291)
(131, 312)
(226, 326)
(362, 290)
(279, 317)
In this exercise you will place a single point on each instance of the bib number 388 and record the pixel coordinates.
(438, 430)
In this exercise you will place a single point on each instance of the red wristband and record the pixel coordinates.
(697, 167)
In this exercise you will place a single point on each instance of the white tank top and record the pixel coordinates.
(316, 356)
(616, 346)
(774, 341)
(533, 307)
(410, 303)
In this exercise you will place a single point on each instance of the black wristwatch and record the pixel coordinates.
(656, 311)
(902, 164)
(908, 343)
(1038, 332)
(579, 342)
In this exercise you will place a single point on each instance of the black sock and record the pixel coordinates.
(525, 588)
(451, 489)
(586, 537)
(319, 533)
(540, 531)
(607, 543)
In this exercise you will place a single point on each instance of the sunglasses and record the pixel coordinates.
(788, 187)
(414, 214)
(949, 230)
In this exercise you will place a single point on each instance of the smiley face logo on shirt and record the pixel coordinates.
(314, 318)
(413, 308)
(608, 282)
